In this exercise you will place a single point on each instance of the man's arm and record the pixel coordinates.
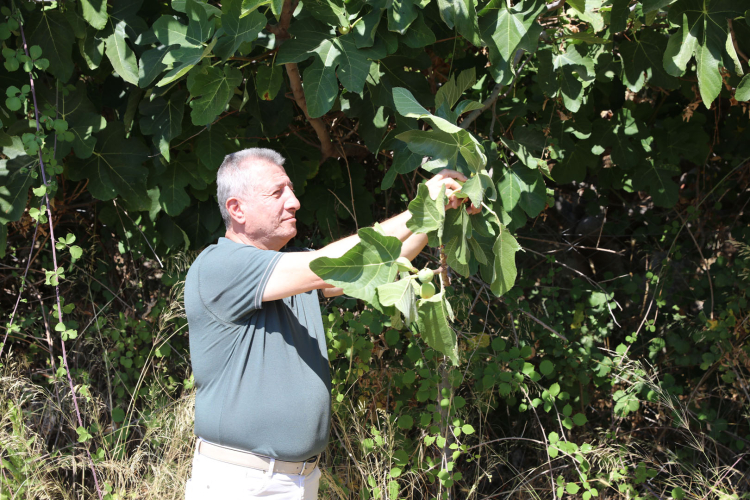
(292, 274)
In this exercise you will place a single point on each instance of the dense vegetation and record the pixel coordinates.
(587, 336)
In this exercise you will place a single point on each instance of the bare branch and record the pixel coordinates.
(555, 5)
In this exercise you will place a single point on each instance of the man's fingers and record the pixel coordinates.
(448, 173)
(451, 184)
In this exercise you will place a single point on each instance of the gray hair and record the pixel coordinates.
(235, 179)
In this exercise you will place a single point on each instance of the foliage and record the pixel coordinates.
(602, 286)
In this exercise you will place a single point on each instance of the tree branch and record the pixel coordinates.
(326, 145)
(555, 5)
(493, 97)
(295, 82)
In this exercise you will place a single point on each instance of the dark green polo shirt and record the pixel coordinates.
(261, 368)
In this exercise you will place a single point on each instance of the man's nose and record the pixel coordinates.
(292, 203)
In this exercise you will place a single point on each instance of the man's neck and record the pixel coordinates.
(244, 239)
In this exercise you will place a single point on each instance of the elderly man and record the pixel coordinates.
(257, 344)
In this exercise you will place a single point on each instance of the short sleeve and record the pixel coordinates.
(233, 278)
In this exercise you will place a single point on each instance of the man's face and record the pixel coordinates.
(271, 208)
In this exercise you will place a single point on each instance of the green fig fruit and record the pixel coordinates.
(425, 275)
(427, 290)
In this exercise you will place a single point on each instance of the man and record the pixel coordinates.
(262, 408)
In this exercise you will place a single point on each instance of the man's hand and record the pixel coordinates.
(449, 178)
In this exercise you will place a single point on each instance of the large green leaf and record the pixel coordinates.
(506, 30)
(400, 294)
(81, 115)
(364, 30)
(404, 160)
(642, 60)
(520, 186)
(150, 65)
(444, 148)
(91, 47)
(401, 14)
(169, 31)
(332, 12)
(362, 269)
(95, 12)
(201, 222)
(319, 79)
(706, 22)
(564, 73)
(211, 89)
(15, 180)
(408, 106)
(621, 134)
(372, 118)
(50, 30)
(427, 215)
(172, 183)
(456, 233)
(419, 34)
(657, 180)
(308, 39)
(199, 27)
(434, 327)
(528, 145)
(210, 150)
(115, 168)
(505, 249)
(512, 25)
(680, 48)
(182, 60)
(236, 30)
(743, 89)
(121, 55)
(162, 119)
(476, 187)
(463, 15)
(353, 63)
(268, 81)
(619, 15)
(451, 91)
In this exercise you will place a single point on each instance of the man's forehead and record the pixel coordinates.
(270, 174)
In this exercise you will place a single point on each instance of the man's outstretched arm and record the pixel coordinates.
(292, 274)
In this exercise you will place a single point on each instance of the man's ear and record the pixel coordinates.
(236, 210)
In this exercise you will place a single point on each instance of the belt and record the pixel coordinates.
(254, 461)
